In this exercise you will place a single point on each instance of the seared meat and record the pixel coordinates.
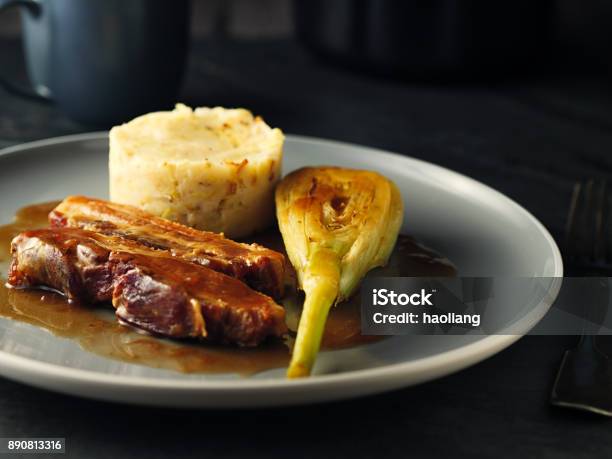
(225, 309)
(261, 268)
(68, 261)
(149, 289)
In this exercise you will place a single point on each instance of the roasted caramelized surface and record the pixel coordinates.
(149, 289)
(354, 214)
(259, 267)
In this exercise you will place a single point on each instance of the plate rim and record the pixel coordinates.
(452, 360)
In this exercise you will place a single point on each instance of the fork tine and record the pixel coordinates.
(578, 237)
(599, 242)
(587, 223)
(607, 228)
(571, 216)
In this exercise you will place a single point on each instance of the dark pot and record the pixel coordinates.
(433, 38)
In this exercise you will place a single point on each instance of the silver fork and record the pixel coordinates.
(584, 380)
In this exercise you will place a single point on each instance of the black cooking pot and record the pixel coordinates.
(433, 38)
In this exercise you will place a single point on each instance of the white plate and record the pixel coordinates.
(482, 231)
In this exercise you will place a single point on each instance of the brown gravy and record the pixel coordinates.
(96, 330)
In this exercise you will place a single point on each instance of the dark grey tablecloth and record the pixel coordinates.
(531, 139)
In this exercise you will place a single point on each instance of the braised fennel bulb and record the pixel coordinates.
(337, 224)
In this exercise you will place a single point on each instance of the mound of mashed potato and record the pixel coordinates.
(213, 169)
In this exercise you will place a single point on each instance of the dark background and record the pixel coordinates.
(531, 136)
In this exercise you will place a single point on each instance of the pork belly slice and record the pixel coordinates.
(230, 312)
(149, 290)
(68, 261)
(261, 268)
